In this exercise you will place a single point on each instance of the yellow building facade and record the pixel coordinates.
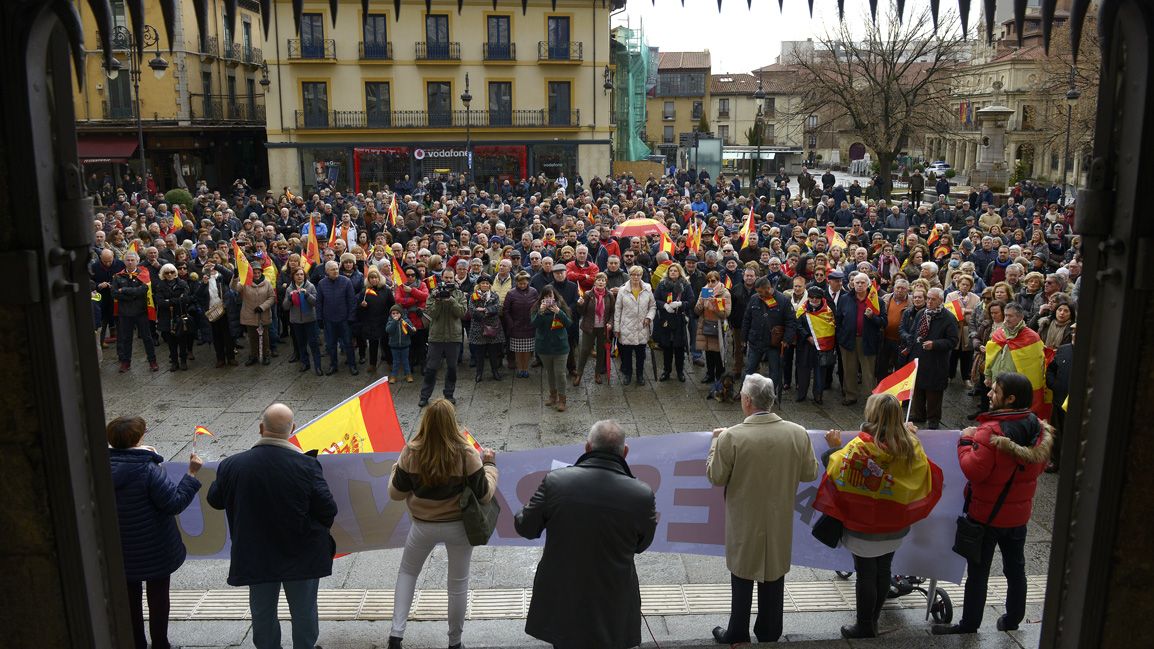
(376, 97)
(202, 119)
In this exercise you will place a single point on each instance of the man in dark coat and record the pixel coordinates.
(336, 306)
(598, 516)
(859, 335)
(132, 291)
(934, 336)
(768, 322)
(1058, 380)
(279, 512)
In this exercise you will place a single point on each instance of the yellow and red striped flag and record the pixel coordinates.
(177, 222)
(398, 272)
(958, 309)
(243, 268)
(935, 234)
(364, 423)
(748, 232)
(201, 430)
(833, 238)
(134, 246)
(470, 439)
(666, 244)
(900, 383)
(1030, 358)
(872, 296)
(393, 211)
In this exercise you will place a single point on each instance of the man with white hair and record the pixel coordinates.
(760, 462)
(336, 307)
(279, 512)
(860, 324)
(132, 290)
(598, 516)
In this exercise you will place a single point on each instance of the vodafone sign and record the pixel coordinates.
(421, 154)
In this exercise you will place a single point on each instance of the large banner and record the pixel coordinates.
(691, 511)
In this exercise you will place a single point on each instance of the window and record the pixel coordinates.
(437, 36)
(230, 88)
(499, 44)
(246, 39)
(206, 83)
(723, 133)
(667, 135)
(118, 16)
(723, 107)
(768, 107)
(558, 37)
(250, 90)
(227, 34)
(500, 103)
(312, 36)
(1028, 121)
(439, 98)
(681, 84)
(315, 99)
(376, 34)
(560, 104)
(811, 121)
(667, 111)
(378, 104)
(767, 134)
(697, 110)
(120, 104)
(813, 140)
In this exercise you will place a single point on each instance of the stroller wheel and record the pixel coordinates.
(843, 575)
(942, 610)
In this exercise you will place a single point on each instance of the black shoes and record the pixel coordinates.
(1004, 625)
(318, 370)
(184, 363)
(681, 376)
(497, 376)
(353, 370)
(856, 631)
(707, 379)
(250, 362)
(480, 377)
(305, 367)
(664, 377)
(640, 380)
(720, 638)
(626, 380)
(950, 629)
(395, 643)
(332, 370)
(422, 403)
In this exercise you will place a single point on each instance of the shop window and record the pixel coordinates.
(553, 159)
(326, 168)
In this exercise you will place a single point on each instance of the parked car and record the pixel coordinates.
(938, 167)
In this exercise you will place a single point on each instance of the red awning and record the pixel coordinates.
(105, 149)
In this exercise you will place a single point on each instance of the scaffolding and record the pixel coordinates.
(631, 59)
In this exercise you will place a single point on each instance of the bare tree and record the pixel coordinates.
(888, 87)
(1059, 74)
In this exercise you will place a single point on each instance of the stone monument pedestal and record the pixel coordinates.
(991, 168)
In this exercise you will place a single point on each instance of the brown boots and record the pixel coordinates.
(556, 401)
(552, 398)
(561, 407)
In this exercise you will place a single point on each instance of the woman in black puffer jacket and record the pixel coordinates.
(147, 504)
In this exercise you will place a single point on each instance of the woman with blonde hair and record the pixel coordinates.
(885, 457)
(431, 472)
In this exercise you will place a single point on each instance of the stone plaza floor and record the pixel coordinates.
(510, 415)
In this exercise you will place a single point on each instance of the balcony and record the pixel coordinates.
(405, 119)
(253, 56)
(317, 50)
(375, 51)
(115, 112)
(570, 52)
(438, 51)
(723, 113)
(500, 51)
(210, 48)
(221, 108)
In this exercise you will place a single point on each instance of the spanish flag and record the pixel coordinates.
(312, 249)
(201, 430)
(833, 238)
(870, 491)
(666, 244)
(957, 308)
(900, 383)
(398, 272)
(177, 222)
(935, 234)
(393, 211)
(748, 231)
(943, 250)
(333, 232)
(470, 439)
(728, 282)
(872, 296)
(243, 268)
(1029, 357)
(821, 325)
(364, 423)
(133, 246)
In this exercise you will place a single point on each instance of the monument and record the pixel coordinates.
(991, 168)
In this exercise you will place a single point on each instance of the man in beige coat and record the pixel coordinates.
(760, 462)
(256, 303)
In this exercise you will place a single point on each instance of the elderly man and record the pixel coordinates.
(598, 516)
(279, 512)
(860, 326)
(132, 290)
(760, 462)
(934, 336)
(336, 307)
(103, 271)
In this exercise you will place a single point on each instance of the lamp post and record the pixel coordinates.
(466, 99)
(123, 39)
(1072, 96)
(606, 88)
(759, 96)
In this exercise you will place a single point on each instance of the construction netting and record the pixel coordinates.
(631, 58)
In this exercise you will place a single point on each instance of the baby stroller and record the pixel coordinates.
(938, 604)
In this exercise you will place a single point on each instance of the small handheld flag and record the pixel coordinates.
(201, 430)
(900, 383)
(243, 268)
(834, 239)
(177, 222)
(469, 438)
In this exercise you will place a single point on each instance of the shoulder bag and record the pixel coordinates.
(480, 519)
(970, 533)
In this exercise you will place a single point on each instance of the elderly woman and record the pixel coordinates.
(1056, 329)
(486, 334)
(516, 315)
(300, 299)
(374, 304)
(992, 319)
(596, 309)
(173, 298)
(674, 297)
(632, 322)
(713, 307)
(963, 356)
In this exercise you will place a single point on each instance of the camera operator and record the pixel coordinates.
(445, 309)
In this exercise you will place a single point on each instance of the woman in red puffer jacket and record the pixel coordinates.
(1010, 446)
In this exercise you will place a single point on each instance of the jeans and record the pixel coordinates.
(872, 588)
(438, 353)
(423, 537)
(302, 602)
(339, 331)
(125, 326)
(401, 361)
(630, 355)
(158, 608)
(770, 609)
(1012, 542)
(753, 358)
(305, 339)
(553, 366)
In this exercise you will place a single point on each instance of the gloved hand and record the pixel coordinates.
(258, 309)
(676, 305)
(669, 308)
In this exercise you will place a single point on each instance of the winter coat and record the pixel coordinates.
(759, 321)
(173, 299)
(711, 343)
(1006, 441)
(485, 310)
(445, 318)
(398, 336)
(306, 310)
(371, 317)
(413, 302)
(587, 310)
(970, 302)
(130, 293)
(548, 341)
(1058, 374)
(671, 330)
(516, 312)
(597, 516)
(261, 295)
(336, 300)
(279, 511)
(630, 313)
(845, 319)
(933, 364)
(146, 507)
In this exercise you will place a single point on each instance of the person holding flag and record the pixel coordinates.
(931, 342)
(861, 321)
(300, 301)
(816, 346)
(768, 324)
(257, 298)
(132, 290)
(1017, 348)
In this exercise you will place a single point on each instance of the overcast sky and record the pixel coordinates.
(741, 39)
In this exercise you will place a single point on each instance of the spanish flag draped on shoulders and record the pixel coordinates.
(873, 493)
(1020, 350)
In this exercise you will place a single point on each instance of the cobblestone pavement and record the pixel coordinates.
(507, 415)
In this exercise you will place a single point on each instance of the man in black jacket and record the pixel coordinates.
(934, 335)
(859, 335)
(598, 516)
(768, 322)
(132, 291)
(279, 512)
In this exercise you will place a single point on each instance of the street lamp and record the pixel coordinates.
(466, 99)
(607, 80)
(264, 81)
(123, 39)
(758, 127)
(1072, 96)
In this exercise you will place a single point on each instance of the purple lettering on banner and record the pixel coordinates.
(691, 511)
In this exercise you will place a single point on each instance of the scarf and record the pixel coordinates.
(598, 304)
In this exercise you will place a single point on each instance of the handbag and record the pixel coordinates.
(215, 311)
(826, 358)
(970, 533)
(710, 327)
(480, 519)
(489, 331)
(828, 530)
